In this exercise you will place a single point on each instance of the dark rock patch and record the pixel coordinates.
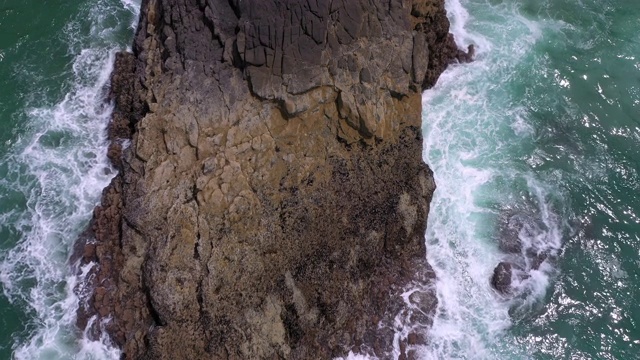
(501, 279)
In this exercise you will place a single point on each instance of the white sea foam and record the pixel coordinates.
(469, 119)
(59, 167)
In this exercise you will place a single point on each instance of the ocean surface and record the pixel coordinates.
(55, 61)
(540, 135)
(538, 140)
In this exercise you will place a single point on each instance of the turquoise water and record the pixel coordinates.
(542, 129)
(55, 60)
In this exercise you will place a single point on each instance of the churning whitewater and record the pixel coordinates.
(475, 134)
(56, 169)
(533, 151)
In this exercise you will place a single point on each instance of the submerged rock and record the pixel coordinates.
(526, 242)
(501, 279)
(273, 197)
(468, 56)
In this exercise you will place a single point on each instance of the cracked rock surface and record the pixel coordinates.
(271, 200)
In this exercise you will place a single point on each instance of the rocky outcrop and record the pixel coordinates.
(501, 279)
(526, 243)
(272, 198)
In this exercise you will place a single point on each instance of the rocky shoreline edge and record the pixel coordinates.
(271, 198)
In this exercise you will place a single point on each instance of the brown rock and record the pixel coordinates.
(273, 200)
(416, 339)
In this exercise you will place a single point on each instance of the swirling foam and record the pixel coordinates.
(470, 124)
(59, 168)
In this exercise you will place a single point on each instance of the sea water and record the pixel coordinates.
(55, 63)
(541, 131)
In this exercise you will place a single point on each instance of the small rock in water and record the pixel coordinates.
(501, 279)
(468, 56)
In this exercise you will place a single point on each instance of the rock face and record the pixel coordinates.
(272, 197)
(501, 279)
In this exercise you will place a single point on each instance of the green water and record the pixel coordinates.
(27, 39)
(544, 127)
(55, 58)
(592, 136)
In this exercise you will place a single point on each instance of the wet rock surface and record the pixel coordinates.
(501, 279)
(526, 242)
(271, 200)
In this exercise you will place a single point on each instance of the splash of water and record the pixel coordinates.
(473, 130)
(58, 167)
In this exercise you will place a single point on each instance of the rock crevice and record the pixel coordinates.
(271, 199)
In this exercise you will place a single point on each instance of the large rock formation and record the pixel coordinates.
(271, 197)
